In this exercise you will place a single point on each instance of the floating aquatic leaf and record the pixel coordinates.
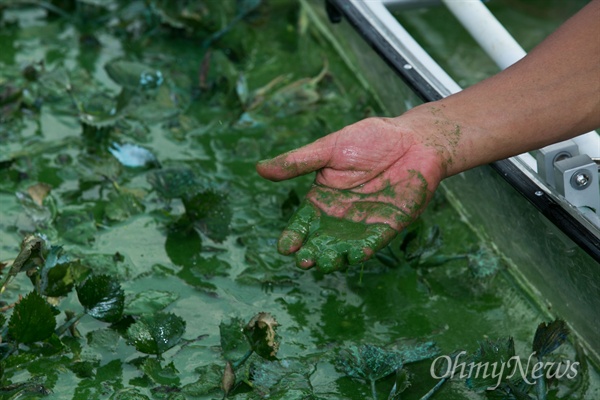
(183, 245)
(103, 340)
(208, 381)
(282, 379)
(173, 183)
(84, 369)
(32, 319)
(156, 333)
(108, 379)
(295, 97)
(368, 362)
(161, 375)
(130, 393)
(11, 99)
(210, 211)
(228, 379)
(411, 352)
(38, 192)
(99, 110)
(262, 335)
(132, 155)
(484, 263)
(134, 75)
(149, 302)
(59, 273)
(30, 256)
(122, 206)
(57, 81)
(234, 344)
(24, 390)
(102, 298)
(197, 17)
(549, 336)
(420, 243)
(491, 353)
(77, 226)
(40, 214)
(115, 264)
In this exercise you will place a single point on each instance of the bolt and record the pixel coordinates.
(582, 179)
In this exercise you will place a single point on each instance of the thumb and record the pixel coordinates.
(301, 161)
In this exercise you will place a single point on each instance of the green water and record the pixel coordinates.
(206, 128)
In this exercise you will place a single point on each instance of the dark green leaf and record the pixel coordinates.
(109, 264)
(183, 245)
(108, 379)
(368, 362)
(32, 320)
(208, 382)
(76, 226)
(414, 352)
(548, 336)
(134, 75)
(282, 380)
(262, 335)
(234, 344)
(210, 211)
(149, 302)
(167, 375)
(129, 393)
(490, 352)
(103, 340)
(102, 298)
(157, 333)
(122, 206)
(84, 369)
(59, 274)
(29, 257)
(173, 183)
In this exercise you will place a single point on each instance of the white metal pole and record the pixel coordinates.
(487, 31)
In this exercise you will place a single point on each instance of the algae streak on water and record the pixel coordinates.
(159, 240)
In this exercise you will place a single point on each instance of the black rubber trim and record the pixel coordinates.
(574, 229)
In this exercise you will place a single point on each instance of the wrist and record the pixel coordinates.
(443, 134)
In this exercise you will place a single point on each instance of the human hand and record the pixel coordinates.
(373, 178)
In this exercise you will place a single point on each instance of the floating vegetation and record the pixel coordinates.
(138, 245)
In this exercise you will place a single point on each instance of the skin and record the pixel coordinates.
(376, 176)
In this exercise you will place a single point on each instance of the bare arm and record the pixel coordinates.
(552, 94)
(374, 177)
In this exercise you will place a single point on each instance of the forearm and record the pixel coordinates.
(550, 95)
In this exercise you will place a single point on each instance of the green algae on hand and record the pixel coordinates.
(329, 242)
(334, 228)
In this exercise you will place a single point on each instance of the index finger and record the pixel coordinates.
(301, 161)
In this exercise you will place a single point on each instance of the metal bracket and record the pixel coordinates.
(577, 180)
(547, 156)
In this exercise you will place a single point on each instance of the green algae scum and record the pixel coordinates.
(138, 245)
